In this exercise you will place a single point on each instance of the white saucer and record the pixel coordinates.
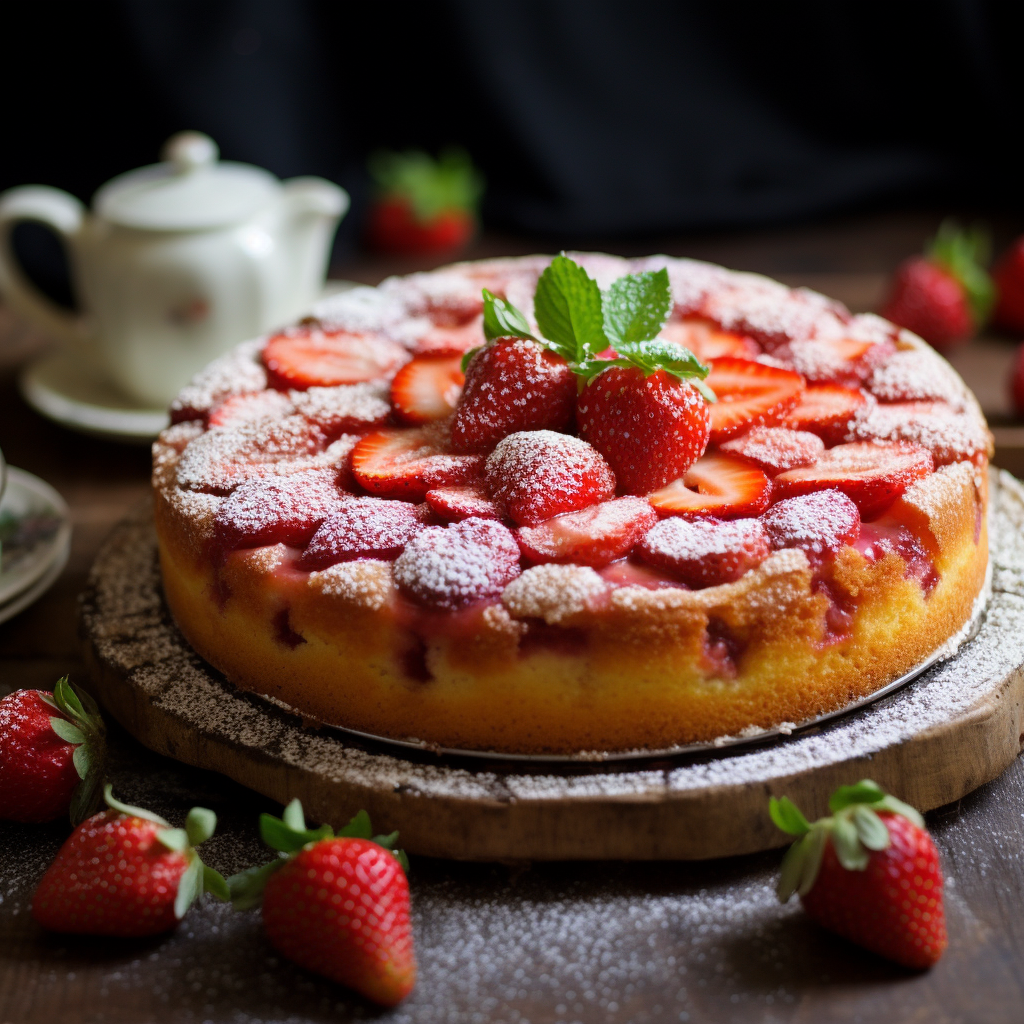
(28, 569)
(67, 388)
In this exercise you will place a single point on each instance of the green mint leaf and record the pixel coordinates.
(787, 816)
(215, 884)
(849, 851)
(189, 888)
(568, 308)
(358, 828)
(871, 829)
(658, 354)
(864, 792)
(66, 731)
(175, 839)
(636, 307)
(200, 825)
(468, 358)
(246, 888)
(503, 320)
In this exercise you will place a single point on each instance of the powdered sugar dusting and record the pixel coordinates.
(917, 375)
(706, 552)
(554, 593)
(345, 409)
(366, 584)
(816, 523)
(777, 448)
(234, 373)
(362, 528)
(948, 434)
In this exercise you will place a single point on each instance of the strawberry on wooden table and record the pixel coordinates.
(52, 754)
(126, 872)
(337, 905)
(946, 295)
(869, 872)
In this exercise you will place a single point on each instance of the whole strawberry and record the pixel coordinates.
(870, 873)
(946, 295)
(337, 905)
(126, 872)
(1008, 275)
(51, 754)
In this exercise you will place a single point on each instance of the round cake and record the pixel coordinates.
(573, 504)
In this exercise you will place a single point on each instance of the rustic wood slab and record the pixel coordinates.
(957, 726)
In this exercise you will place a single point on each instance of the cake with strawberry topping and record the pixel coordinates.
(552, 506)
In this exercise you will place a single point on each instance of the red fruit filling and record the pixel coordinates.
(594, 536)
(775, 449)
(462, 503)
(242, 408)
(716, 485)
(706, 552)
(819, 523)
(362, 528)
(512, 384)
(843, 361)
(872, 474)
(749, 394)
(454, 566)
(315, 358)
(826, 410)
(537, 474)
(346, 409)
(276, 510)
(427, 389)
(722, 650)
(451, 339)
(878, 539)
(407, 463)
(706, 341)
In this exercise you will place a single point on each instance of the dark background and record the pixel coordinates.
(593, 120)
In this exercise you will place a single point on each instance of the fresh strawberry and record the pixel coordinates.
(819, 523)
(1017, 382)
(650, 427)
(846, 362)
(825, 410)
(238, 409)
(707, 341)
(512, 384)
(1008, 276)
(406, 463)
(454, 566)
(716, 485)
(337, 905)
(872, 473)
(276, 510)
(345, 409)
(705, 552)
(125, 872)
(536, 474)
(471, 502)
(594, 536)
(394, 228)
(308, 358)
(749, 394)
(869, 872)
(362, 528)
(946, 295)
(445, 339)
(775, 449)
(52, 754)
(427, 389)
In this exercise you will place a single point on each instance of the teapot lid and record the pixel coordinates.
(190, 190)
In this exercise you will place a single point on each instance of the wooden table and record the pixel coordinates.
(604, 942)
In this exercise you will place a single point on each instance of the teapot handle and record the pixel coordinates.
(65, 215)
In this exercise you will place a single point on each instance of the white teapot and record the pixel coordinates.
(177, 262)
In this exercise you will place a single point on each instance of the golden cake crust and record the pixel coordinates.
(566, 659)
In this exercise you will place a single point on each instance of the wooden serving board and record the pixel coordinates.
(955, 727)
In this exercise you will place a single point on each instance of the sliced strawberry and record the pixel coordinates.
(949, 434)
(819, 523)
(871, 473)
(826, 410)
(316, 358)
(406, 463)
(362, 528)
(775, 449)
(537, 474)
(512, 384)
(715, 485)
(345, 409)
(594, 536)
(462, 503)
(451, 567)
(708, 341)
(276, 510)
(706, 552)
(749, 395)
(451, 340)
(242, 408)
(847, 362)
(427, 389)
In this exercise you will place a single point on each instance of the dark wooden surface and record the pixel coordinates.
(599, 942)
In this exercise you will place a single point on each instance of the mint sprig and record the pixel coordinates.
(636, 308)
(570, 311)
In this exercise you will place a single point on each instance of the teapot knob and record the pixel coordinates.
(189, 151)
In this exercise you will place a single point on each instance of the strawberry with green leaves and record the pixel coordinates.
(337, 905)
(52, 753)
(869, 872)
(946, 295)
(126, 872)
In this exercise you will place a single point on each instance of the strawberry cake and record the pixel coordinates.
(561, 505)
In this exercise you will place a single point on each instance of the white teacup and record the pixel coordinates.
(177, 262)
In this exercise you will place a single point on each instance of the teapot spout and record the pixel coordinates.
(316, 197)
